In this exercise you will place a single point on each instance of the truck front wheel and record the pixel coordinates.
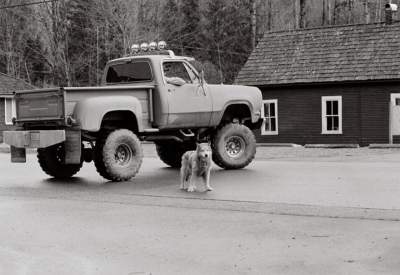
(234, 146)
(171, 152)
(51, 160)
(118, 155)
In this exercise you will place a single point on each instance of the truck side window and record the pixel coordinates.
(176, 69)
(192, 74)
(129, 72)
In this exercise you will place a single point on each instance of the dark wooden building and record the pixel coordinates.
(8, 85)
(328, 85)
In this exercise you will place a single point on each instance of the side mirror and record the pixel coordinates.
(177, 81)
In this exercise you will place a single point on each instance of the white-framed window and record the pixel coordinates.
(269, 114)
(331, 114)
(9, 110)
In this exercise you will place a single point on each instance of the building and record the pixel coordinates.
(8, 85)
(331, 85)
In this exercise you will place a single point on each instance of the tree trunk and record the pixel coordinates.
(253, 12)
(366, 12)
(300, 10)
(269, 9)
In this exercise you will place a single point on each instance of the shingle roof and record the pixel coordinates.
(345, 53)
(10, 84)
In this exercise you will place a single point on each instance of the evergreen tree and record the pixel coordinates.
(227, 36)
(170, 28)
(190, 31)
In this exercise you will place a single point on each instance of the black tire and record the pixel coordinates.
(118, 155)
(51, 160)
(171, 152)
(234, 146)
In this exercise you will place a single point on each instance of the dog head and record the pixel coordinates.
(203, 150)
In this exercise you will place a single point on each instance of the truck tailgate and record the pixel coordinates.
(40, 104)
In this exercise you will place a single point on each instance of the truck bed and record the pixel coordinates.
(56, 104)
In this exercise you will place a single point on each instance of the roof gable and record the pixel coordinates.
(346, 53)
(10, 84)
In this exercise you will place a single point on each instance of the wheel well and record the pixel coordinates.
(120, 119)
(239, 111)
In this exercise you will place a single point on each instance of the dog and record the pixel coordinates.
(196, 165)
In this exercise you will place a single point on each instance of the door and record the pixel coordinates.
(189, 102)
(394, 116)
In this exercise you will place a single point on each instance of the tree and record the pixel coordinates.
(300, 14)
(227, 36)
(190, 31)
(170, 28)
(15, 31)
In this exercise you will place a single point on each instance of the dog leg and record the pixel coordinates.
(192, 183)
(207, 179)
(183, 178)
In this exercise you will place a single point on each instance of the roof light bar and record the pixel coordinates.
(152, 46)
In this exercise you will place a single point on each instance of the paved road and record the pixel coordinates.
(318, 216)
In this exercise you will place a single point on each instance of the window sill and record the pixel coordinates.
(332, 133)
(269, 133)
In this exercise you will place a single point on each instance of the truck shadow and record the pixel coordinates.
(163, 178)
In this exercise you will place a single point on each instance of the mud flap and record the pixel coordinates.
(73, 146)
(18, 154)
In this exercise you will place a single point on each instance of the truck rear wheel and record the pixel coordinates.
(171, 152)
(234, 146)
(119, 155)
(51, 160)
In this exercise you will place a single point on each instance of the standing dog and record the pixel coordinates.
(196, 165)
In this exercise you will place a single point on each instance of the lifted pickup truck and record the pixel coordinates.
(156, 97)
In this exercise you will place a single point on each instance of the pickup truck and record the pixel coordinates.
(149, 96)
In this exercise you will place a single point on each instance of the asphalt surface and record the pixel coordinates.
(292, 211)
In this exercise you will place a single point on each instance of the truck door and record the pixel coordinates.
(189, 102)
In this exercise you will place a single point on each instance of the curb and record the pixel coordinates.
(332, 146)
(384, 146)
(278, 145)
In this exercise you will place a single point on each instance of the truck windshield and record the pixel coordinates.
(129, 72)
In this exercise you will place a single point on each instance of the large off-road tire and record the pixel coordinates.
(118, 155)
(51, 160)
(234, 146)
(171, 152)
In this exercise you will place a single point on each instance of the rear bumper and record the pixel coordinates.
(33, 138)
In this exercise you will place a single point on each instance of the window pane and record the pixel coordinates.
(267, 125)
(335, 123)
(272, 109)
(266, 110)
(8, 110)
(192, 75)
(335, 107)
(176, 69)
(129, 72)
(329, 107)
(273, 124)
(329, 124)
